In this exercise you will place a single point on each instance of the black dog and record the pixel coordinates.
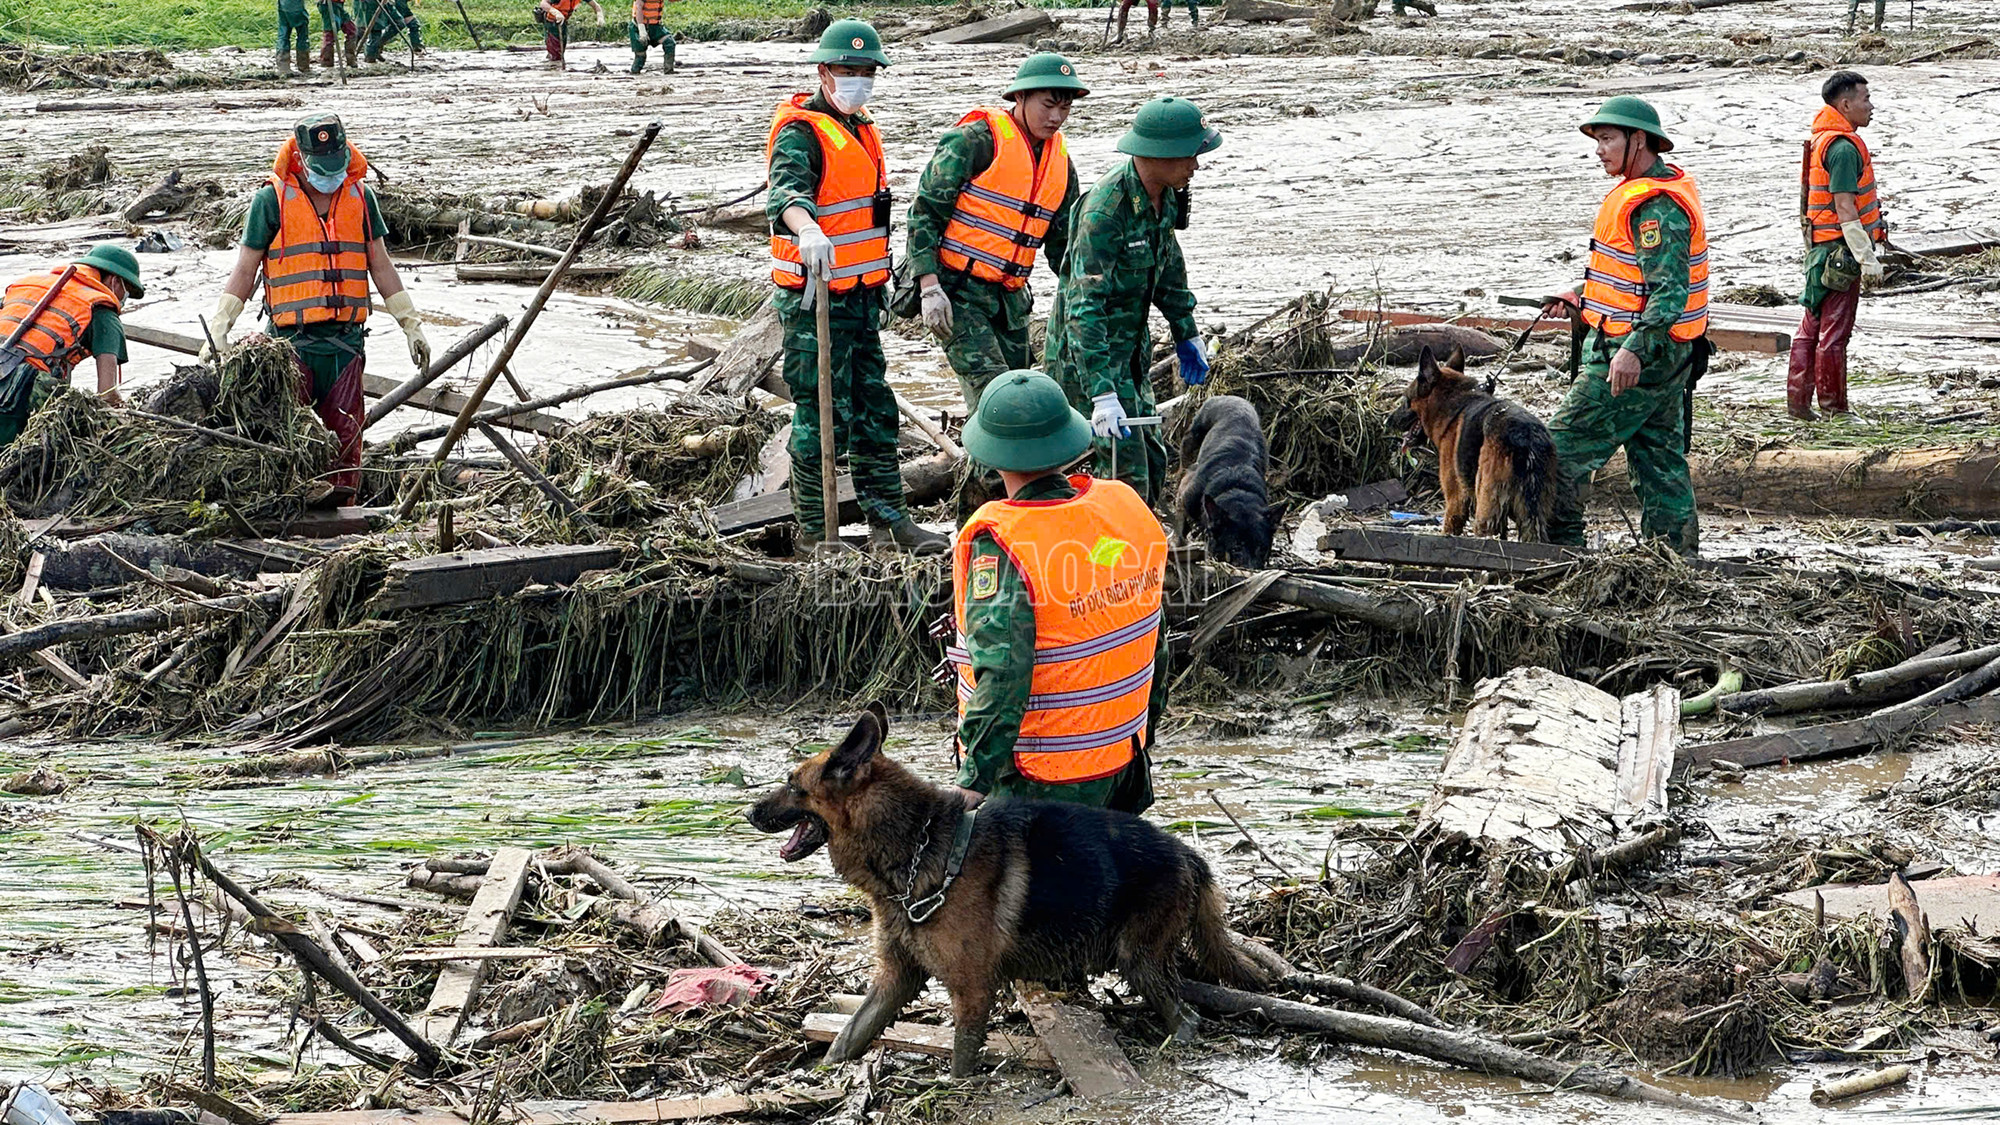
(1223, 494)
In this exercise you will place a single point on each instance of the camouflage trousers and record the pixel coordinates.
(1648, 422)
(989, 334)
(1141, 459)
(864, 408)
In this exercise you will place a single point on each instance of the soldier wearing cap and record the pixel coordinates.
(1644, 306)
(79, 320)
(996, 195)
(1124, 257)
(829, 216)
(315, 232)
(1057, 598)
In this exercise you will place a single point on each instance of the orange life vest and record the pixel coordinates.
(852, 176)
(563, 7)
(1614, 289)
(317, 270)
(55, 341)
(650, 11)
(1821, 221)
(1003, 215)
(1094, 565)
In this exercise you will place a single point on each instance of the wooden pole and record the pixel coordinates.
(435, 371)
(534, 476)
(477, 45)
(534, 310)
(829, 481)
(29, 641)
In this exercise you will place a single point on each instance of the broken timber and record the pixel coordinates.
(1465, 552)
(923, 482)
(485, 925)
(1265, 11)
(999, 29)
(468, 576)
(1727, 338)
(583, 1113)
(1948, 243)
(1078, 1040)
(930, 1039)
(1833, 740)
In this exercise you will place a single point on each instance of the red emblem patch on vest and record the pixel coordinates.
(1649, 234)
(985, 577)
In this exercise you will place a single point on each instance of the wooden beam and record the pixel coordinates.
(1000, 29)
(468, 576)
(485, 924)
(930, 1039)
(332, 522)
(1466, 552)
(1834, 740)
(776, 507)
(1725, 337)
(1078, 1039)
(1947, 243)
(578, 1113)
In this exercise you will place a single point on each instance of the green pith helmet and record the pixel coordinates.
(850, 43)
(323, 143)
(1025, 425)
(118, 261)
(1044, 72)
(1168, 129)
(1628, 112)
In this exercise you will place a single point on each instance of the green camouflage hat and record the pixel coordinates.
(118, 261)
(323, 143)
(1044, 72)
(1628, 112)
(850, 43)
(1169, 129)
(1025, 425)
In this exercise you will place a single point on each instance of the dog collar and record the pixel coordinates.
(920, 910)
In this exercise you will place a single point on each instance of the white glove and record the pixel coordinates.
(404, 310)
(600, 16)
(227, 308)
(1863, 247)
(1107, 418)
(937, 311)
(816, 256)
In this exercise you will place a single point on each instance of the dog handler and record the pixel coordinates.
(1123, 257)
(1645, 303)
(1057, 592)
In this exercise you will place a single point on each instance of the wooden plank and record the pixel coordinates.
(485, 924)
(776, 507)
(930, 1039)
(579, 1113)
(1265, 11)
(332, 522)
(1365, 498)
(1458, 552)
(1833, 740)
(1649, 739)
(1079, 1041)
(467, 576)
(1725, 337)
(1951, 243)
(999, 29)
(502, 953)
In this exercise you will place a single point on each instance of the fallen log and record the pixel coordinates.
(1958, 483)
(1444, 1045)
(1857, 1084)
(466, 576)
(1323, 984)
(534, 476)
(168, 197)
(87, 564)
(529, 271)
(1014, 25)
(1265, 11)
(1832, 740)
(1730, 339)
(1866, 687)
(18, 646)
(1978, 681)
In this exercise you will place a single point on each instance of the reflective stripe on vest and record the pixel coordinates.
(1094, 565)
(1002, 217)
(316, 270)
(1614, 288)
(851, 176)
(1820, 220)
(54, 342)
(650, 11)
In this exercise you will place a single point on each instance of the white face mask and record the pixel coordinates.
(850, 94)
(327, 183)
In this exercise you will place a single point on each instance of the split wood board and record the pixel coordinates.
(929, 1039)
(484, 926)
(1948, 243)
(1467, 552)
(1833, 740)
(1972, 900)
(1725, 337)
(1079, 1041)
(999, 29)
(776, 507)
(333, 522)
(580, 1113)
(469, 576)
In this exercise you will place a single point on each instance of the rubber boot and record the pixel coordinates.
(303, 61)
(326, 49)
(284, 64)
(553, 43)
(904, 535)
(351, 47)
(667, 58)
(638, 62)
(373, 53)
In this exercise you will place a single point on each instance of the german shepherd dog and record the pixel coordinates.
(1047, 891)
(1496, 462)
(1223, 495)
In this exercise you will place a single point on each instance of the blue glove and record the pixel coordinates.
(1194, 361)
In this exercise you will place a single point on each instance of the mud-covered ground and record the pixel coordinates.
(1437, 181)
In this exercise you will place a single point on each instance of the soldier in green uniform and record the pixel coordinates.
(983, 323)
(1631, 389)
(383, 19)
(332, 17)
(864, 406)
(26, 383)
(1026, 429)
(1124, 257)
(294, 27)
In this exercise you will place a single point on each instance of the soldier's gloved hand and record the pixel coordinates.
(816, 256)
(937, 311)
(600, 17)
(1871, 275)
(404, 310)
(1194, 361)
(1107, 417)
(227, 308)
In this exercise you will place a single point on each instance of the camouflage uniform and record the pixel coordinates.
(1647, 419)
(864, 408)
(989, 323)
(384, 19)
(1123, 257)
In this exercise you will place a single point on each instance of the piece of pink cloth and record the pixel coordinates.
(711, 988)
